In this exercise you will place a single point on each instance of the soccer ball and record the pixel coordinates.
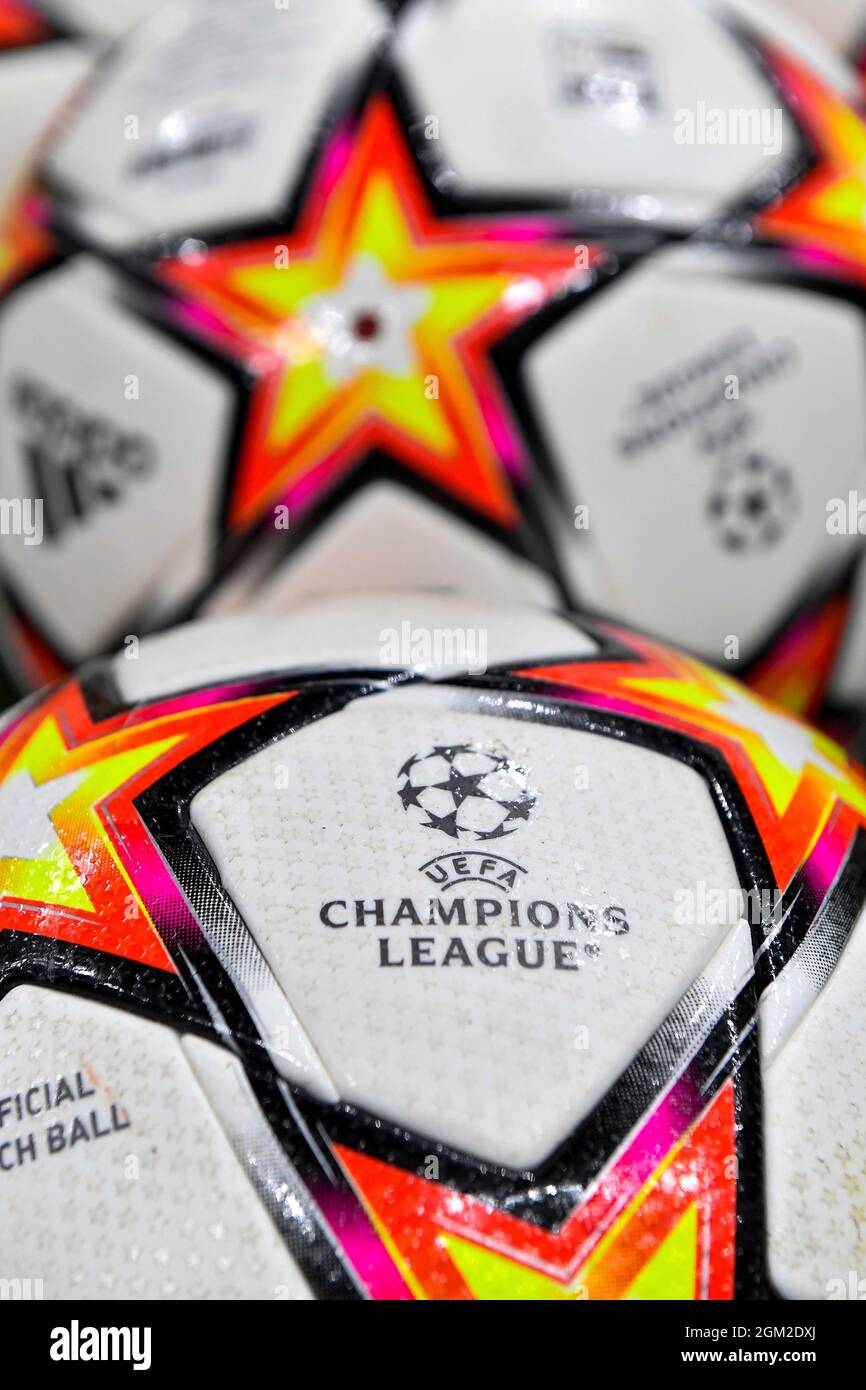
(45, 51)
(288, 1029)
(498, 294)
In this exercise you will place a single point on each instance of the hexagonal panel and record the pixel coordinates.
(120, 436)
(205, 116)
(118, 1178)
(388, 630)
(397, 540)
(484, 990)
(815, 1133)
(674, 402)
(587, 99)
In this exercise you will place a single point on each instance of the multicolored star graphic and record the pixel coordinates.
(823, 214)
(798, 784)
(370, 328)
(660, 1223)
(76, 861)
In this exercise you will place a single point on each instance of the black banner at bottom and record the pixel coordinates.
(252, 1339)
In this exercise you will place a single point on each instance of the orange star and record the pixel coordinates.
(370, 329)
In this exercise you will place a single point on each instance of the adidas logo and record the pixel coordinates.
(77, 461)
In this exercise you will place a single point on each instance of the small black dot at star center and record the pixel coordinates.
(367, 326)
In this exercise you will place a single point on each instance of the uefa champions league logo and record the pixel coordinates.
(472, 794)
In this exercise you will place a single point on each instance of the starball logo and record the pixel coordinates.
(462, 789)
(472, 795)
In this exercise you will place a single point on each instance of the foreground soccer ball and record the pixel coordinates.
(313, 294)
(414, 948)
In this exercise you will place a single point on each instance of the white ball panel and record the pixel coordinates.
(480, 1056)
(227, 94)
(632, 389)
(33, 84)
(427, 631)
(842, 22)
(584, 97)
(387, 538)
(815, 1140)
(68, 339)
(160, 1208)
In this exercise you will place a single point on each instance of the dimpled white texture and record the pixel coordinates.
(533, 96)
(67, 335)
(247, 78)
(484, 1059)
(188, 1225)
(340, 633)
(652, 534)
(815, 1138)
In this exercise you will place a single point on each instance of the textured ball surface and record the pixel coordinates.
(276, 1021)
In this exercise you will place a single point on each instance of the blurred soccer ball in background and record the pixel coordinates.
(499, 294)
